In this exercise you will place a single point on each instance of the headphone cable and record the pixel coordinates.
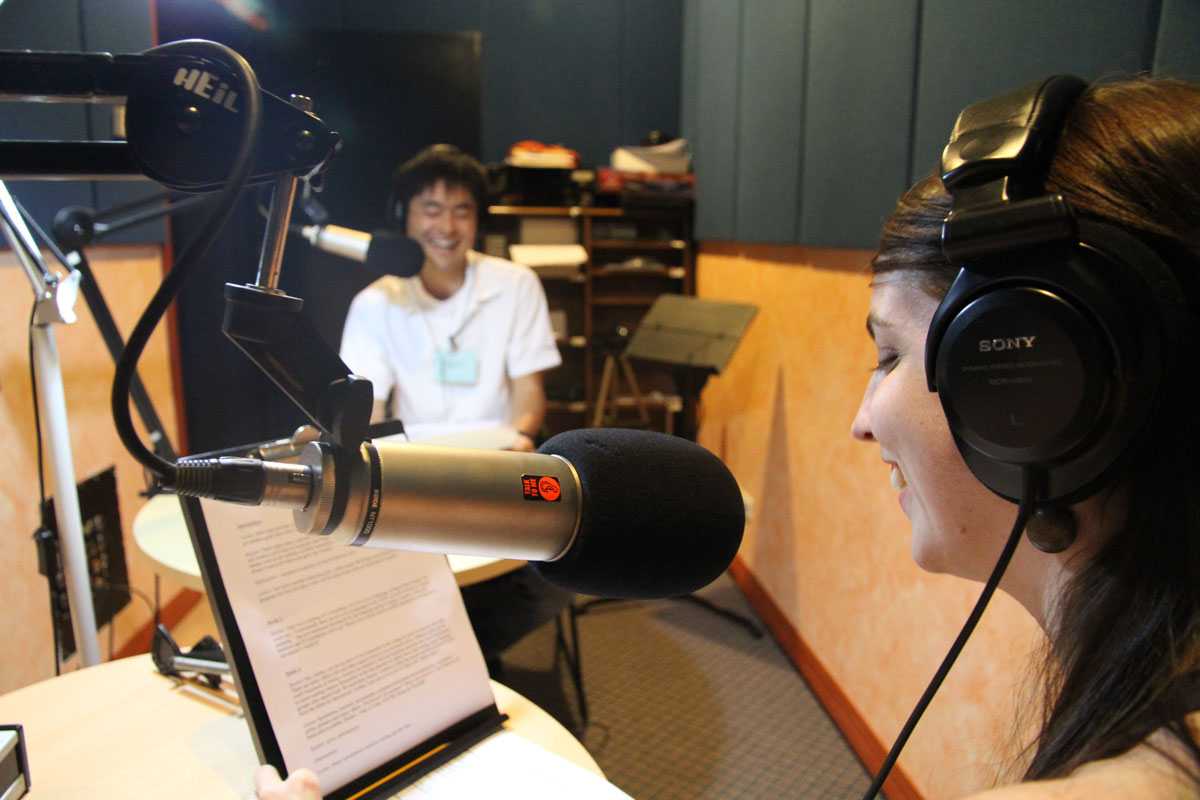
(1024, 511)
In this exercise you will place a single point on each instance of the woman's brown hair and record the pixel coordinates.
(1124, 647)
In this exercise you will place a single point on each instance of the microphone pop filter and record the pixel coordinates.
(661, 515)
(393, 253)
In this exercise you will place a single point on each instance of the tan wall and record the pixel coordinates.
(128, 277)
(828, 542)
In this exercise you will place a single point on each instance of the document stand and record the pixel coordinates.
(234, 555)
(697, 337)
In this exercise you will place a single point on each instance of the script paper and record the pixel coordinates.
(506, 767)
(359, 654)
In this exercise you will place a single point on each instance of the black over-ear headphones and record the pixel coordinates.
(397, 206)
(1047, 350)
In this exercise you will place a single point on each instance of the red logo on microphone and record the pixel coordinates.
(541, 487)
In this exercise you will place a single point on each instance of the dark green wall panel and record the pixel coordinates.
(651, 41)
(1177, 50)
(876, 94)
(858, 118)
(552, 74)
(589, 74)
(972, 50)
(771, 120)
(712, 114)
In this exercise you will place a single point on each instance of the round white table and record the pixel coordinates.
(121, 730)
(162, 537)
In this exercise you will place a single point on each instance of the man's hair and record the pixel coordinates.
(438, 162)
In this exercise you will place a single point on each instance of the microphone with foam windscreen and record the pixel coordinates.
(383, 251)
(607, 512)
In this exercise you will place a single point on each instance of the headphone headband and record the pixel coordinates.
(1009, 135)
(995, 169)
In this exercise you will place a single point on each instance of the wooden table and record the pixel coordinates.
(121, 730)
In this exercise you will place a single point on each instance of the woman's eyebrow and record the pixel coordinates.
(874, 322)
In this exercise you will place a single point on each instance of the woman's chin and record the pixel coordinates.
(928, 558)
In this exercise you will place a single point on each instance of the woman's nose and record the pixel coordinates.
(861, 427)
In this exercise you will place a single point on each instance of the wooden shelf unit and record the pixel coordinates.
(633, 256)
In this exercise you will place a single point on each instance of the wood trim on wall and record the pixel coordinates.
(870, 751)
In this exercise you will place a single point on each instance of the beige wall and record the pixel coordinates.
(128, 277)
(828, 541)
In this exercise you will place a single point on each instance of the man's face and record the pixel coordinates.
(443, 220)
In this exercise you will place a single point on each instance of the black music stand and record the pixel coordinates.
(695, 336)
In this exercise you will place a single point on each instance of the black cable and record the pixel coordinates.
(40, 234)
(110, 586)
(41, 473)
(226, 199)
(1024, 510)
(37, 419)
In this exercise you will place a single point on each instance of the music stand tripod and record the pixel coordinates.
(697, 338)
(614, 356)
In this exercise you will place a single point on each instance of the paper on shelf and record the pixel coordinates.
(670, 157)
(548, 255)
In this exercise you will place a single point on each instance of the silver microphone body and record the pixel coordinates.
(403, 496)
(344, 242)
(606, 512)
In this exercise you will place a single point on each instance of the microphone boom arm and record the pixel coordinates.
(195, 116)
(182, 119)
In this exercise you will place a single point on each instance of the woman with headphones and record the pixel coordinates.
(1033, 308)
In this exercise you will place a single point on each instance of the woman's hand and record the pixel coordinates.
(302, 784)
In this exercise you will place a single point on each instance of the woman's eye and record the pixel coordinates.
(887, 360)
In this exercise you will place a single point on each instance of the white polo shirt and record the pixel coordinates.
(497, 322)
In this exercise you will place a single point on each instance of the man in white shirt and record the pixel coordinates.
(460, 347)
(464, 343)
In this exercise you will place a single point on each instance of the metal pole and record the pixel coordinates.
(278, 216)
(52, 405)
(55, 299)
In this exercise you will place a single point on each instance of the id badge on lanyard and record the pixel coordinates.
(458, 367)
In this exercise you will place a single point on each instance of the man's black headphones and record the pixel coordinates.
(450, 159)
(1047, 350)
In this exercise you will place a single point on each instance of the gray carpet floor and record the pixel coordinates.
(685, 703)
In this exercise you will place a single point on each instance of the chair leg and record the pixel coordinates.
(568, 646)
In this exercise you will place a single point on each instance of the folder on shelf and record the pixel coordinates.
(669, 157)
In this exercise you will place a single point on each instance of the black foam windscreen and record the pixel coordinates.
(393, 253)
(661, 516)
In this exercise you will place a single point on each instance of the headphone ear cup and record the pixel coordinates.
(1050, 358)
(394, 210)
